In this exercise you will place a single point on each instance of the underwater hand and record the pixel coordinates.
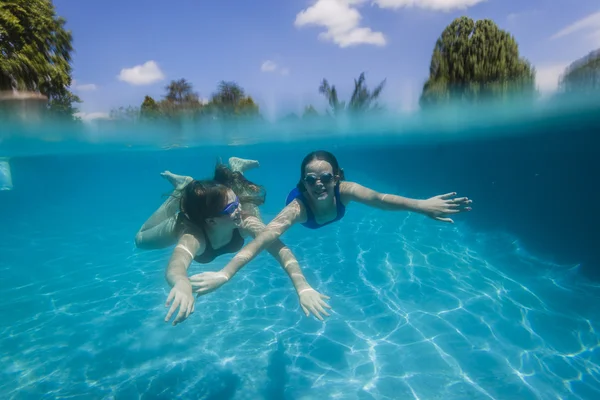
(182, 297)
(439, 207)
(311, 300)
(207, 282)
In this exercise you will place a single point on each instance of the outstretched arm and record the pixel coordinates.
(277, 227)
(176, 275)
(310, 299)
(437, 207)
(209, 281)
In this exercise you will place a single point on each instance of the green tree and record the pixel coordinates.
(35, 52)
(310, 112)
(180, 100)
(129, 114)
(362, 99)
(246, 107)
(230, 101)
(61, 105)
(180, 91)
(291, 117)
(149, 109)
(473, 61)
(583, 75)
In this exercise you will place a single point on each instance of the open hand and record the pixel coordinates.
(312, 301)
(182, 297)
(439, 207)
(207, 282)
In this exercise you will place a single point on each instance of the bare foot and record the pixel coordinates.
(178, 181)
(242, 165)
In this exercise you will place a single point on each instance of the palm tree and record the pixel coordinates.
(331, 94)
(362, 99)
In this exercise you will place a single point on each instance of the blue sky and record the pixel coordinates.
(279, 51)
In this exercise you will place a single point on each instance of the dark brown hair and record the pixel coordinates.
(323, 156)
(203, 199)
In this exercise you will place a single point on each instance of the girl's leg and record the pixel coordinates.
(158, 231)
(241, 165)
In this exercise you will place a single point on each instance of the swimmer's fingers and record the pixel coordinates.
(463, 201)
(200, 287)
(315, 312)
(170, 298)
(185, 310)
(324, 296)
(323, 304)
(180, 315)
(452, 211)
(203, 289)
(305, 310)
(321, 310)
(172, 309)
(446, 196)
(196, 280)
(190, 309)
(449, 220)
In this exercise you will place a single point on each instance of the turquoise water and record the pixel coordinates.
(500, 305)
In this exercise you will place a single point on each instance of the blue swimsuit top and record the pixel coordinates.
(311, 223)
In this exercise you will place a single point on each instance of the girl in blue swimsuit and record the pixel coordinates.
(321, 198)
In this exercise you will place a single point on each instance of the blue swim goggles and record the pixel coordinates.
(231, 207)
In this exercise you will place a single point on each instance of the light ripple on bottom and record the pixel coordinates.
(419, 311)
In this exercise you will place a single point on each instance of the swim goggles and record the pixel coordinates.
(231, 207)
(312, 179)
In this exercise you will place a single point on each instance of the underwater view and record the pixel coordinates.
(497, 305)
(277, 242)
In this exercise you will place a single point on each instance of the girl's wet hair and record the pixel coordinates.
(203, 199)
(321, 155)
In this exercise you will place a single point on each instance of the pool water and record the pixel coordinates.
(421, 309)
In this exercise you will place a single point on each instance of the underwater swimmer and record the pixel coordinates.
(206, 219)
(321, 198)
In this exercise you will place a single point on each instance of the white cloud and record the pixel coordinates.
(514, 18)
(92, 116)
(144, 74)
(436, 5)
(591, 24)
(270, 66)
(547, 76)
(83, 87)
(341, 21)
(341, 18)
